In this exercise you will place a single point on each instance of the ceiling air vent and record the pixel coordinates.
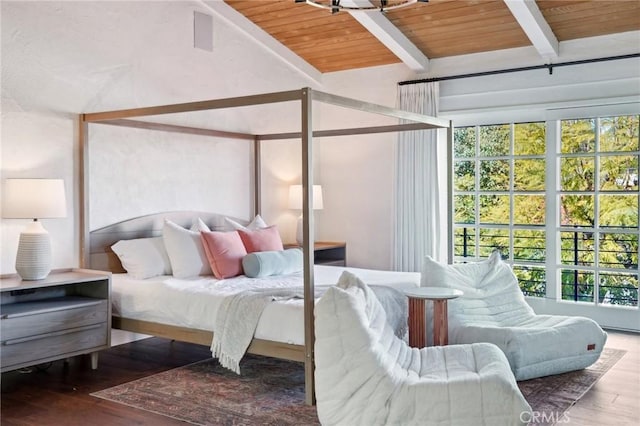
(203, 31)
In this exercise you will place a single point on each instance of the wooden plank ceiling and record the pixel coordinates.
(439, 28)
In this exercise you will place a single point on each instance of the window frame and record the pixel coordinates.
(553, 229)
(596, 229)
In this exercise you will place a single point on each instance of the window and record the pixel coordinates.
(500, 201)
(499, 197)
(598, 210)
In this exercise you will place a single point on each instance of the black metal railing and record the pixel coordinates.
(614, 288)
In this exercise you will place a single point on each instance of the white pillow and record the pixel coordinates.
(256, 223)
(185, 249)
(143, 257)
(198, 225)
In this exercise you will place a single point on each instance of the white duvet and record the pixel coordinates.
(194, 302)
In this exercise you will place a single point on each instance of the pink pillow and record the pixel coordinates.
(264, 239)
(224, 251)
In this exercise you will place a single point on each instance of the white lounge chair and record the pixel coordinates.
(365, 375)
(493, 309)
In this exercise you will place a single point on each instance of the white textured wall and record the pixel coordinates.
(38, 145)
(111, 55)
(358, 170)
(63, 58)
(133, 174)
(533, 95)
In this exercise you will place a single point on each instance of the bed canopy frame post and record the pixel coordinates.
(450, 211)
(83, 184)
(307, 245)
(256, 177)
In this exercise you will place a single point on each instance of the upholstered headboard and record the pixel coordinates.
(102, 258)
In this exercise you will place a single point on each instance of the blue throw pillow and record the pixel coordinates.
(267, 263)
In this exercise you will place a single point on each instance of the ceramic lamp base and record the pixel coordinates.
(33, 261)
(299, 234)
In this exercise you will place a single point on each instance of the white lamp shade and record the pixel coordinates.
(295, 197)
(34, 199)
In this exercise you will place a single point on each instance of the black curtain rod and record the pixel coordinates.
(550, 67)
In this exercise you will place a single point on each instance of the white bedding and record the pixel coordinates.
(193, 302)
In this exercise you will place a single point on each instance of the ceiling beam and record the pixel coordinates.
(239, 21)
(388, 34)
(528, 15)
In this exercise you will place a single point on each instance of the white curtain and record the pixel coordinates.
(418, 224)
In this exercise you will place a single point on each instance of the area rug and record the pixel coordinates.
(550, 397)
(271, 392)
(268, 392)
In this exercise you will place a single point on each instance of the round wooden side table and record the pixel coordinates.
(417, 318)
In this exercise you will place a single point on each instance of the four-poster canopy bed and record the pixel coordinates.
(95, 252)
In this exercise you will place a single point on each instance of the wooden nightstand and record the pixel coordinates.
(66, 314)
(332, 253)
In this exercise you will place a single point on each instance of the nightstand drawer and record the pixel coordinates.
(48, 316)
(41, 348)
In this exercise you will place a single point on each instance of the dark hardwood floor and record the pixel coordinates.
(60, 395)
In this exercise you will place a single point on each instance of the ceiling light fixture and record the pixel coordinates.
(353, 5)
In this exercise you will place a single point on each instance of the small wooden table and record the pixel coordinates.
(417, 319)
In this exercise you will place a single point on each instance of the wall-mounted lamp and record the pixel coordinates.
(295, 202)
(34, 199)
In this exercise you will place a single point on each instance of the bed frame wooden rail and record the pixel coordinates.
(204, 337)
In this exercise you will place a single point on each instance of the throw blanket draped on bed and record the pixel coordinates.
(238, 317)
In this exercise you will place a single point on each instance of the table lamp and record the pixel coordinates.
(295, 202)
(34, 199)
